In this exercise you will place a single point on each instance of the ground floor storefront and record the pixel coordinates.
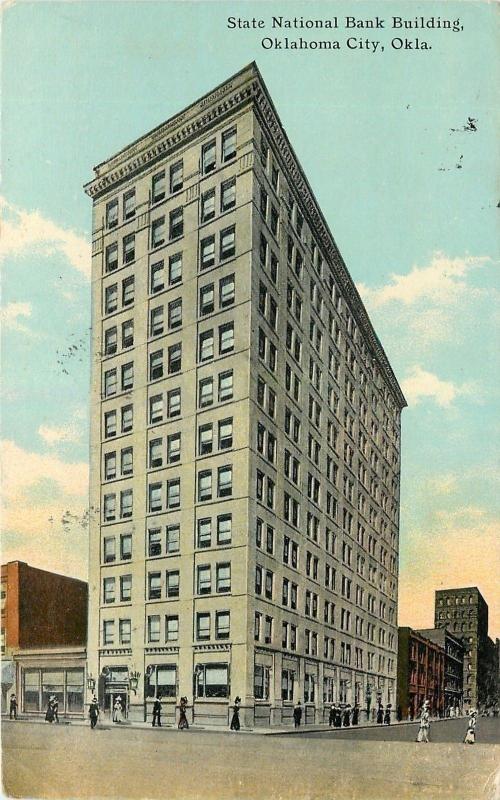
(40, 675)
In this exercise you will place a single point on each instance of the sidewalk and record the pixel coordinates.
(320, 728)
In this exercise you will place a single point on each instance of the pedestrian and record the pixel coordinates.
(117, 710)
(183, 723)
(380, 714)
(337, 720)
(425, 724)
(13, 707)
(399, 713)
(470, 736)
(355, 714)
(297, 714)
(235, 721)
(387, 715)
(93, 711)
(331, 715)
(346, 717)
(49, 714)
(55, 708)
(157, 712)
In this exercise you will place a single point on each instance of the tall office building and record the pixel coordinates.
(464, 611)
(245, 451)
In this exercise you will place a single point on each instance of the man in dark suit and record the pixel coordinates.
(157, 712)
(297, 714)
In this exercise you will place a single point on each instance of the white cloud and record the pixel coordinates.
(53, 435)
(23, 470)
(441, 282)
(25, 232)
(11, 313)
(421, 384)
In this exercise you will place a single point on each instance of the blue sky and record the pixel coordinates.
(409, 195)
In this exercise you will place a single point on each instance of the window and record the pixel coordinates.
(154, 542)
(171, 629)
(206, 345)
(173, 448)
(108, 632)
(109, 507)
(204, 485)
(175, 313)
(226, 291)
(226, 337)
(157, 282)
(154, 497)
(173, 493)
(225, 386)
(126, 546)
(207, 252)
(268, 630)
(156, 408)
(109, 547)
(109, 590)
(156, 365)
(158, 232)
(224, 525)
(229, 144)
(129, 204)
(222, 624)
(208, 205)
(112, 214)
(228, 195)
(268, 586)
(172, 583)
(126, 504)
(174, 358)
(173, 538)
(203, 626)
(175, 269)
(227, 243)
(125, 588)
(257, 626)
(155, 453)
(110, 341)
(225, 481)
(173, 403)
(125, 631)
(127, 413)
(205, 392)
(212, 680)
(204, 537)
(156, 321)
(225, 433)
(176, 177)
(128, 248)
(207, 297)
(111, 257)
(205, 439)
(110, 466)
(128, 333)
(128, 291)
(111, 298)
(127, 371)
(176, 223)
(204, 579)
(158, 186)
(223, 578)
(208, 157)
(127, 461)
(109, 382)
(261, 682)
(154, 628)
(258, 580)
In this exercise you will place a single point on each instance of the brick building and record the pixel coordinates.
(453, 665)
(44, 633)
(421, 673)
(245, 423)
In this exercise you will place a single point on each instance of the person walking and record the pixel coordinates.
(346, 717)
(93, 712)
(387, 715)
(117, 710)
(13, 707)
(425, 724)
(380, 714)
(235, 721)
(183, 723)
(49, 714)
(157, 712)
(297, 714)
(55, 708)
(470, 736)
(399, 714)
(355, 714)
(331, 715)
(337, 719)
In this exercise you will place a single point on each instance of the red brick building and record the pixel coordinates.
(43, 638)
(421, 673)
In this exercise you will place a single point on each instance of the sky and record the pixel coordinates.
(408, 185)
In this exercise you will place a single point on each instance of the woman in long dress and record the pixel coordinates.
(470, 736)
(117, 710)
(425, 724)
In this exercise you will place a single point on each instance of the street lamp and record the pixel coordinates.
(90, 683)
(134, 681)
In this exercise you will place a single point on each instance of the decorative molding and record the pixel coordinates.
(204, 648)
(115, 651)
(160, 649)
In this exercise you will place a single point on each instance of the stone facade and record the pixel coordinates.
(245, 432)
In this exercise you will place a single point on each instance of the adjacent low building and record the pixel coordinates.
(453, 666)
(44, 634)
(421, 674)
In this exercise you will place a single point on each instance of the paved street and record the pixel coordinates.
(453, 730)
(42, 761)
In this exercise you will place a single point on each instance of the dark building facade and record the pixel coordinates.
(464, 612)
(453, 665)
(421, 673)
(44, 634)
